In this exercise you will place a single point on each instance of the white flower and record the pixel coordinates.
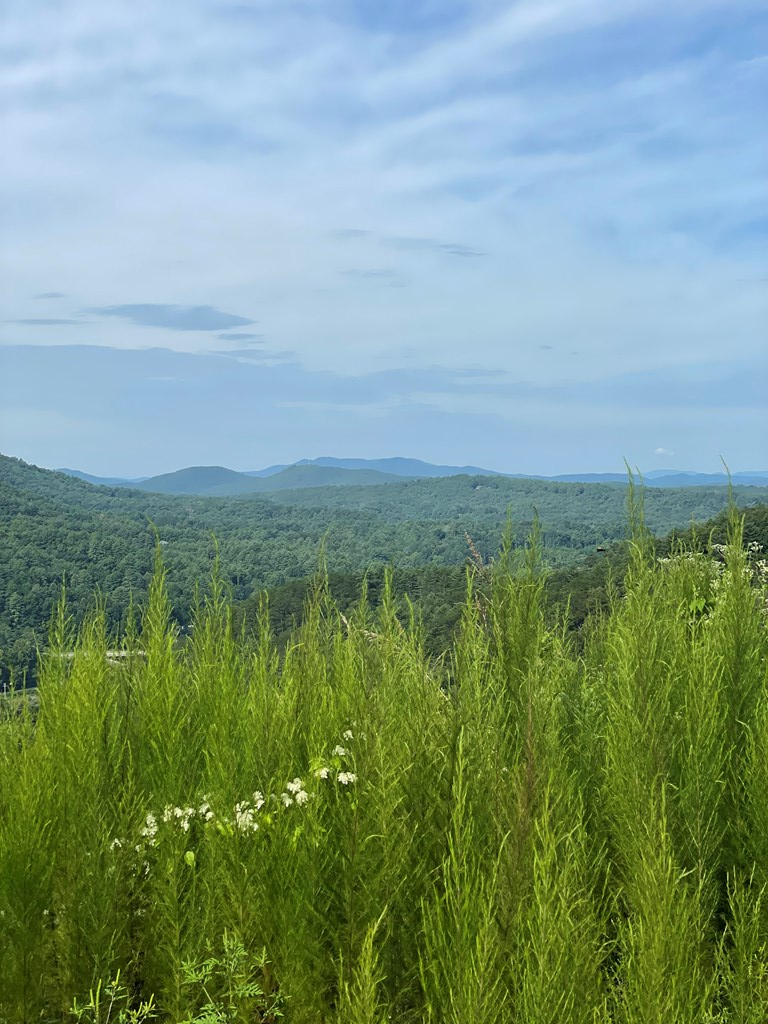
(167, 813)
(295, 786)
(345, 778)
(150, 827)
(258, 800)
(340, 751)
(347, 735)
(204, 810)
(182, 815)
(322, 773)
(115, 845)
(287, 799)
(244, 819)
(301, 797)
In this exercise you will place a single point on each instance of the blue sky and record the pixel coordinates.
(527, 235)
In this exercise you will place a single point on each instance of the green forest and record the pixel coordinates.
(56, 530)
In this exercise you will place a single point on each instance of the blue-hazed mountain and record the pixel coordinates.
(218, 482)
(667, 478)
(414, 468)
(102, 481)
(329, 471)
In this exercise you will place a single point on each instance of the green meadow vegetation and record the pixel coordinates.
(533, 828)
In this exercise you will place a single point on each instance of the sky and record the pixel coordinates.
(529, 236)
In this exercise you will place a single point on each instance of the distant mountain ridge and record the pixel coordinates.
(218, 481)
(101, 481)
(415, 468)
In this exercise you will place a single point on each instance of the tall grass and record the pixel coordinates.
(525, 831)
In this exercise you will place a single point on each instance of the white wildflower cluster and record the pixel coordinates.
(149, 832)
(245, 817)
(294, 793)
(336, 767)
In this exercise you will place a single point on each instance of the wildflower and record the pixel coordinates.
(287, 799)
(346, 778)
(322, 773)
(301, 797)
(204, 810)
(167, 813)
(295, 786)
(244, 818)
(150, 828)
(347, 735)
(340, 751)
(183, 815)
(258, 800)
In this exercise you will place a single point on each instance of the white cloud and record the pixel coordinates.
(662, 451)
(180, 154)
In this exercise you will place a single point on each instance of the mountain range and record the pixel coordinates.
(218, 481)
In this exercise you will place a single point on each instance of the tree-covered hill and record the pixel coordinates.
(593, 513)
(56, 528)
(216, 481)
(438, 593)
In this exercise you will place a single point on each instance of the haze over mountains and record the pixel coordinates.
(218, 481)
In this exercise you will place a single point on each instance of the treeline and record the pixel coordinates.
(55, 529)
(435, 596)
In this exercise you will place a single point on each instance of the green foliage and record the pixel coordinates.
(107, 1005)
(56, 528)
(529, 829)
(228, 987)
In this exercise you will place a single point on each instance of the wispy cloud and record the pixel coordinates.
(50, 295)
(36, 321)
(173, 318)
(451, 248)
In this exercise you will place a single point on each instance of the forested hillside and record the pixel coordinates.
(55, 528)
(436, 595)
(570, 513)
